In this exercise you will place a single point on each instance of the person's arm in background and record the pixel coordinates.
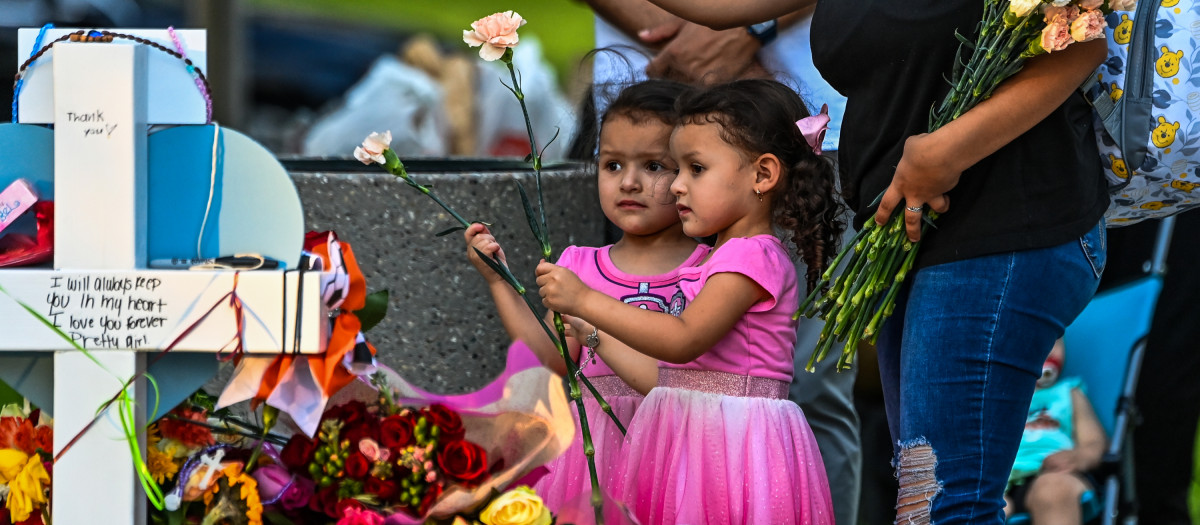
(723, 14)
(698, 54)
(632, 16)
(1090, 440)
(933, 162)
(686, 51)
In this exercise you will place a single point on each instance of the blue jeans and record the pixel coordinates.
(958, 362)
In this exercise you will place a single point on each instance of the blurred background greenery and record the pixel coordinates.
(565, 27)
(277, 68)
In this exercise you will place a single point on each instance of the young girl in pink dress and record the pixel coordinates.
(640, 269)
(717, 441)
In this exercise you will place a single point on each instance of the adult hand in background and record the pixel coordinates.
(690, 52)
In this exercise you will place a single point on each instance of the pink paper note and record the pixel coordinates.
(14, 200)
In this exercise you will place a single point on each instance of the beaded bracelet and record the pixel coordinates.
(84, 35)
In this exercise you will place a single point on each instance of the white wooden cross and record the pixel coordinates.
(99, 292)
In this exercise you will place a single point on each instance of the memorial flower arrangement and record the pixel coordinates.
(880, 257)
(26, 443)
(175, 438)
(381, 454)
(385, 458)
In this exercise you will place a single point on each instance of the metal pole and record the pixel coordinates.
(1158, 265)
(228, 53)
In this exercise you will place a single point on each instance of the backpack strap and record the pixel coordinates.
(1127, 120)
(1097, 96)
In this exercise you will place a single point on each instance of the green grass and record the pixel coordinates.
(8, 395)
(565, 27)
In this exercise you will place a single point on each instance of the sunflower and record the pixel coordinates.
(233, 499)
(162, 465)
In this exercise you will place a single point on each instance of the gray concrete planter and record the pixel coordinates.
(441, 330)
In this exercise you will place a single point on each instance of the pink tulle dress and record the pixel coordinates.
(717, 441)
(568, 481)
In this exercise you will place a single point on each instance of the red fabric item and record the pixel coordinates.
(22, 250)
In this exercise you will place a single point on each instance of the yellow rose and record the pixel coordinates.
(520, 506)
(26, 491)
(11, 463)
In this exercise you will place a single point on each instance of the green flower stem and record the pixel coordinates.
(989, 36)
(573, 369)
(852, 339)
(878, 282)
(543, 235)
(533, 149)
(825, 278)
(396, 167)
(860, 279)
(846, 281)
(589, 450)
(270, 415)
(990, 71)
(822, 347)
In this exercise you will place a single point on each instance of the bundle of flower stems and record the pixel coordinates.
(863, 296)
(880, 257)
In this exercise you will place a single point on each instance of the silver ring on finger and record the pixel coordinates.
(914, 209)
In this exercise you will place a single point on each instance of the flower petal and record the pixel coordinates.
(363, 156)
(490, 53)
(505, 40)
(472, 38)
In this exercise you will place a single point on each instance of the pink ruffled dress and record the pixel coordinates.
(717, 441)
(568, 481)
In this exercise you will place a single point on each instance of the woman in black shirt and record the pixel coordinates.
(1016, 254)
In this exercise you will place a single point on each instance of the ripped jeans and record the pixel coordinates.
(958, 360)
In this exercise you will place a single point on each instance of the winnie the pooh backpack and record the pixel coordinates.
(1148, 110)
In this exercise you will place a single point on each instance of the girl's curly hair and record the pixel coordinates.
(758, 116)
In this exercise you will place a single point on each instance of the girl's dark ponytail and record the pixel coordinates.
(809, 210)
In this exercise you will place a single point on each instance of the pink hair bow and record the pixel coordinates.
(813, 128)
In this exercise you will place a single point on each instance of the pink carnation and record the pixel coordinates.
(1088, 26)
(1056, 36)
(373, 147)
(495, 33)
(1066, 14)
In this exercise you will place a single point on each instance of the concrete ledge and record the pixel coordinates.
(441, 330)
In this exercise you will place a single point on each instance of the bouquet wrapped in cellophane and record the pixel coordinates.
(879, 258)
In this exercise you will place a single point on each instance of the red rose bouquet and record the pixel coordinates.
(386, 457)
